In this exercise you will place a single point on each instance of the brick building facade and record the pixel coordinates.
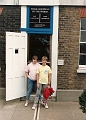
(69, 35)
(68, 44)
(10, 20)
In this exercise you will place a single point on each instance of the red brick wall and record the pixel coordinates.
(82, 12)
(69, 31)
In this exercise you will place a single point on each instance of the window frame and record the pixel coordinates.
(81, 66)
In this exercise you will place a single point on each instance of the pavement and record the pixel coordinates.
(15, 110)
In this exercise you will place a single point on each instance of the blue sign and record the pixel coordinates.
(39, 17)
(39, 20)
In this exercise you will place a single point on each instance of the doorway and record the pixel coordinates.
(40, 45)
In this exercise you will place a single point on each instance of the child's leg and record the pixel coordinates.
(45, 101)
(44, 86)
(38, 94)
(30, 86)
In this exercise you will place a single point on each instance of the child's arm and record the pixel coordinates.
(37, 80)
(26, 73)
(49, 78)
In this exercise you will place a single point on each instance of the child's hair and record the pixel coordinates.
(34, 57)
(44, 58)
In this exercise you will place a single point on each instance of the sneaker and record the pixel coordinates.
(34, 106)
(41, 102)
(26, 104)
(46, 106)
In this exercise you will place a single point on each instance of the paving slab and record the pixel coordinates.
(46, 114)
(23, 115)
(22, 112)
(6, 114)
(10, 105)
(68, 111)
(22, 107)
(2, 102)
(15, 110)
(8, 108)
(62, 111)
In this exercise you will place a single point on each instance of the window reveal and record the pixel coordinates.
(82, 53)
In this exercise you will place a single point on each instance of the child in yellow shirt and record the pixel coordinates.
(43, 80)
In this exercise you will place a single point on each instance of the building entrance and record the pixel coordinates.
(40, 45)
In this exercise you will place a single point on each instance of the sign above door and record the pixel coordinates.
(39, 17)
(39, 20)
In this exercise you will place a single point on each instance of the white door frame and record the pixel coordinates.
(54, 49)
(54, 58)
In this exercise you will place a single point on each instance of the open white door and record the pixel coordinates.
(16, 61)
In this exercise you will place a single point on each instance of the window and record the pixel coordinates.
(82, 52)
(39, 45)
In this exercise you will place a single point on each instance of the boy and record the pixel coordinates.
(43, 80)
(30, 72)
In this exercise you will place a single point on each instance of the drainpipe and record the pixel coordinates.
(16, 2)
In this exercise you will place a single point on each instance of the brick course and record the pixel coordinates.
(68, 49)
(10, 20)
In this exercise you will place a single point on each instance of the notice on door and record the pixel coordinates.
(39, 17)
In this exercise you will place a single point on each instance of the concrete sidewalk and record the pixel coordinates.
(15, 110)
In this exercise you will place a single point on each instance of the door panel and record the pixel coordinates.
(16, 61)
